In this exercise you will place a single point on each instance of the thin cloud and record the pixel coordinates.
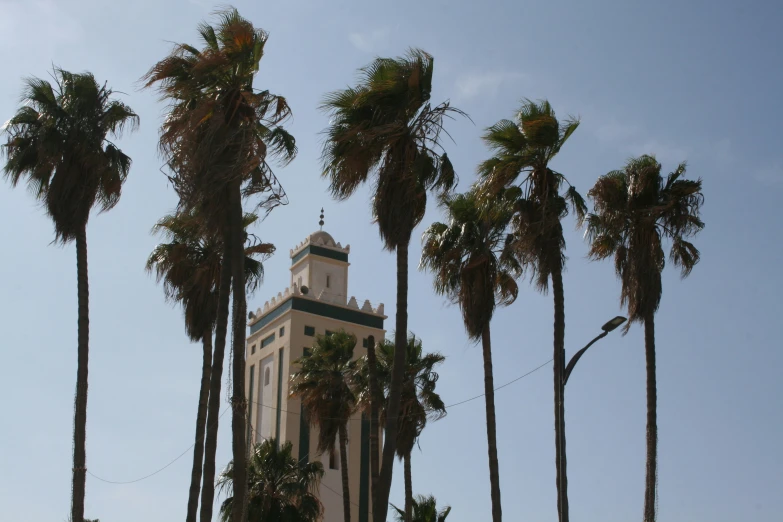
(771, 175)
(203, 4)
(54, 23)
(480, 84)
(369, 42)
(665, 153)
(614, 131)
(632, 140)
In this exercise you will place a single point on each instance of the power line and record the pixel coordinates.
(500, 387)
(159, 470)
(338, 494)
(298, 413)
(401, 416)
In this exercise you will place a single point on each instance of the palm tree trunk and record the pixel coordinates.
(559, 369)
(374, 408)
(380, 509)
(201, 421)
(651, 475)
(343, 437)
(408, 488)
(489, 395)
(238, 401)
(80, 401)
(213, 409)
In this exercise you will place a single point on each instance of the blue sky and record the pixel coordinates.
(697, 81)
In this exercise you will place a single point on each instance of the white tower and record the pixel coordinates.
(316, 302)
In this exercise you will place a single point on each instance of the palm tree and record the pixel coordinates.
(419, 404)
(374, 404)
(280, 488)
(473, 266)
(189, 266)
(523, 149)
(424, 510)
(387, 128)
(323, 385)
(635, 211)
(216, 139)
(58, 142)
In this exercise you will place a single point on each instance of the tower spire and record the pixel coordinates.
(321, 222)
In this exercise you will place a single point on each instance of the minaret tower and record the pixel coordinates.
(321, 265)
(315, 303)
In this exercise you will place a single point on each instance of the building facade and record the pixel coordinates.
(316, 302)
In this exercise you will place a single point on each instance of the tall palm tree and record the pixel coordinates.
(386, 128)
(373, 406)
(419, 404)
(322, 383)
(636, 210)
(280, 488)
(425, 509)
(217, 138)
(189, 266)
(58, 141)
(473, 266)
(523, 149)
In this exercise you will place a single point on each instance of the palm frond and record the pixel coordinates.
(385, 128)
(635, 211)
(279, 486)
(469, 257)
(57, 142)
(323, 385)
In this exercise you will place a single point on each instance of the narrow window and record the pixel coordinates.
(266, 376)
(252, 349)
(282, 331)
(328, 280)
(333, 462)
(299, 283)
(268, 340)
(310, 331)
(365, 343)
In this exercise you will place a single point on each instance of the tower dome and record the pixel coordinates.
(322, 237)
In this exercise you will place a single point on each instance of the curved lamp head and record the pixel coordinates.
(613, 323)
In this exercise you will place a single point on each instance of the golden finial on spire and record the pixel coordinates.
(321, 222)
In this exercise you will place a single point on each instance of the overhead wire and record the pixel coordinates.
(290, 412)
(296, 413)
(160, 469)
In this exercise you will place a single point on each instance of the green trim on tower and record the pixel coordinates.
(321, 308)
(320, 251)
(304, 428)
(364, 472)
(271, 316)
(337, 312)
(279, 395)
(249, 409)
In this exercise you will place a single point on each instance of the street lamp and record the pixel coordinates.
(608, 327)
(562, 495)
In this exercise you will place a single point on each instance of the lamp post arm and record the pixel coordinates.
(577, 356)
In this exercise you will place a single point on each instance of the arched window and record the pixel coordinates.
(266, 377)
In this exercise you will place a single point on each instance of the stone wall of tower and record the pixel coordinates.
(280, 332)
(329, 277)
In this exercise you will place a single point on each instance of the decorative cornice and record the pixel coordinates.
(320, 239)
(332, 300)
(319, 251)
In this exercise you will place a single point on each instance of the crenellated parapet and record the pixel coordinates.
(323, 297)
(319, 239)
